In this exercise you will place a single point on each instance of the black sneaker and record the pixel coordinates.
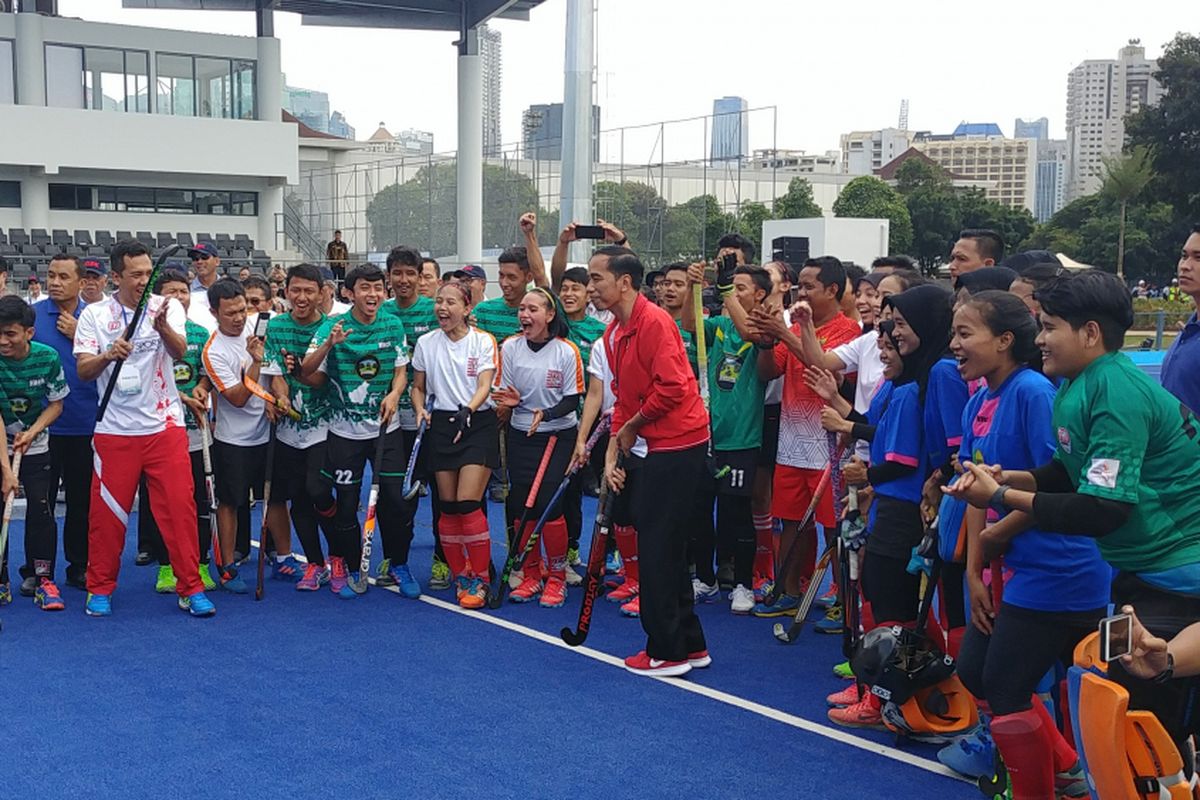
(29, 586)
(77, 581)
(143, 558)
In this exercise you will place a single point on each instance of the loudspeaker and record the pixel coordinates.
(791, 250)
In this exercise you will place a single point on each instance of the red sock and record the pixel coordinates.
(477, 538)
(1064, 755)
(554, 534)
(1025, 743)
(532, 566)
(867, 617)
(450, 530)
(954, 638)
(764, 546)
(627, 547)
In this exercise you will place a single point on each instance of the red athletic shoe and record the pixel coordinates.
(623, 593)
(642, 664)
(555, 593)
(863, 714)
(846, 697)
(699, 659)
(530, 588)
(633, 608)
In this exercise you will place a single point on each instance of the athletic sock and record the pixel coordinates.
(477, 538)
(954, 639)
(1064, 755)
(451, 533)
(532, 566)
(1025, 744)
(555, 536)
(626, 536)
(764, 546)
(280, 559)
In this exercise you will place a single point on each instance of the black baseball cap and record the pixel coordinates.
(204, 249)
(471, 271)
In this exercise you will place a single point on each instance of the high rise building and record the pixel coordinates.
(307, 105)
(730, 129)
(493, 75)
(863, 152)
(1100, 94)
(338, 126)
(1037, 129)
(1051, 181)
(979, 151)
(542, 132)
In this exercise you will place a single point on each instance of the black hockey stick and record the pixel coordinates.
(264, 535)
(595, 570)
(412, 489)
(500, 584)
(794, 548)
(359, 586)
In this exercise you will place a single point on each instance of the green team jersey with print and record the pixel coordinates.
(689, 347)
(736, 394)
(497, 318)
(284, 334)
(188, 371)
(1123, 437)
(27, 386)
(418, 320)
(360, 370)
(584, 334)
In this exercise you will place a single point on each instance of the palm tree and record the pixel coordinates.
(1125, 177)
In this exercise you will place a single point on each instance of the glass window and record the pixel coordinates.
(243, 90)
(10, 194)
(106, 198)
(216, 83)
(104, 78)
(174, 201)
(135, 198)
(8, 81)
(64, 76)
(70, 197)
(176, 85)
(244, 204)
(208, 202)
(137, 81)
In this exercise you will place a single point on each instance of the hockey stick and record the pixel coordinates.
(138, 313)
(412, 489)
(595, 572)
(210, 491)
(264, 535)
(793, 549)
(8, 507)
(789, 634)
(500, 585)
(359, 586)
(532, 539)
(270, 399)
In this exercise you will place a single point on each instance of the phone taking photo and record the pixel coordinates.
(260, 324)
(1116, 637)
(589, 232)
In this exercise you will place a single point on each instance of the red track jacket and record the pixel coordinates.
(651, 374)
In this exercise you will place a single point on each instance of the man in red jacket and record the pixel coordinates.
(656, 398)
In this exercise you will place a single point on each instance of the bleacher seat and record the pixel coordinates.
(7, 250)
(123, 235)
(145, 238)
(74, 250)
(17, 237)
(97, 250)
(103, 239)
(204, 237)
(61, 237)
(39, 237)
(22, 270)
(224, 240)
(3, 237)
(83, 238)
(260, 258)
(30, 250)
(164, 239)
(185, 239)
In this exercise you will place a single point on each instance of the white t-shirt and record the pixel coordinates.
(861, 356)
(542, 379)
(200, 312)
(452, 368)
(598, 368)
(225, 362)
(338, 309)
(145, 400)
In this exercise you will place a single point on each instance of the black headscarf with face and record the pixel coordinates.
(928, 311)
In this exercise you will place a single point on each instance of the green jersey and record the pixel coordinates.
(27, 386)
(689, 347)
(188, 371)
(418, 320)
(584, 333)
(498, 318)
(286, 336)
(361, 370)
(736, 394)
(1123, 437)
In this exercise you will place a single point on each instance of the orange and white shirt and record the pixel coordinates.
(225, 362)
(542, 378)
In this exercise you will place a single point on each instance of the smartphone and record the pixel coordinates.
(589, 232)
(729, 260)
(260, 324)
(1116, 637)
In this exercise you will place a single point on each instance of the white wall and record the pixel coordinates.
(849, 239)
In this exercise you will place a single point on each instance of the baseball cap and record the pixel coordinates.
(1028, 258)
(203, 249)
(326, 274)
(94, 266)
(470, 271)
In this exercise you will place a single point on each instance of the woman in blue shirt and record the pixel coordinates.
(1056, 589)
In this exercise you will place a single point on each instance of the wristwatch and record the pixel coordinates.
(997, 501)
(1167, 674)
(621, 243)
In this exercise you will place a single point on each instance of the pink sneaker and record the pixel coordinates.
(846, 697)
(337, 574)
(863, 714)
(314, 577)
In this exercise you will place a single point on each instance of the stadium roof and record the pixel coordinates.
(434, 15)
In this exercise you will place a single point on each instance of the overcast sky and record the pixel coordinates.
(826, 67)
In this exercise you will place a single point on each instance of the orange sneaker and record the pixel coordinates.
(476, 595)
(846, 697)
(555, 593)
(633, 608)
(530, 588)
(863, 714)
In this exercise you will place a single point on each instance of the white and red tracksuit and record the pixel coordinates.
(142, 433)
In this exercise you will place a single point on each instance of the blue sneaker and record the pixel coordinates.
(831, 622)
(197, 605)
(235, 583)
(345, 592)
(973, 755)
(612, 563)
(98, 605)
(404, 579)
(786, 605)
(287, 570)
(5, 594)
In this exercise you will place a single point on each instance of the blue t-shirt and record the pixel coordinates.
(1181, 366)
(896, 414)
(1011, 426)
(78, 416)
(945, 397)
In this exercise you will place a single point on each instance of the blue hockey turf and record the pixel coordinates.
(306, 695)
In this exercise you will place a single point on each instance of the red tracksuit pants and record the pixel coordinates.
(118, 464)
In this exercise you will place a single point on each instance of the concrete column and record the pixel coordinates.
(270, 204)
(470, 149)
(576, 202)
(35, 201)
(268, 80)
(31, 60)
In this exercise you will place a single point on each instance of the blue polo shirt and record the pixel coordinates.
(78, 416)
(1181, 366)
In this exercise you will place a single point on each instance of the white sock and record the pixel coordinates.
(280, 559)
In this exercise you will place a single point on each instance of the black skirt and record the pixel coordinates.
(479, 445)
(525, 455)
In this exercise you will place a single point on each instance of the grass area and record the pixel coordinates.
(1134, 339)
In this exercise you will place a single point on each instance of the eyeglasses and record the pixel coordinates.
(201, 258)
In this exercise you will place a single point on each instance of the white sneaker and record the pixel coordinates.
(703, 593)
(515, 578)
(574, 578)
(741, 600)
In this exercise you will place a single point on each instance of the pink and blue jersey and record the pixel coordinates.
(896, 414)
(945, 398)
(1011, 426)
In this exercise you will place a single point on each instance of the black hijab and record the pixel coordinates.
(998, 278)
(928, 311)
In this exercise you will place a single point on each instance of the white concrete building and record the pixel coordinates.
(860, 240)
(493, 80)
(1100, 95)
(1009, 166)
(863, 152)
(122, 128)
(798, 161)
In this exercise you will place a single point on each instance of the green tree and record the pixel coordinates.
(715, 223)
(867, 196)
(797, 202)
(1169, 129)
(750, 219)
(977, 211)
(1125, 178)
(917, 173)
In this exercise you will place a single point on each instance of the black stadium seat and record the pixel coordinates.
(83, 238)
(165, 239)
(184, 239)
(60, 237)
(17, 236)
(124, 235)
(103, 239)
(39, 236)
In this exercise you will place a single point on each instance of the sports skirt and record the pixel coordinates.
(479, 445)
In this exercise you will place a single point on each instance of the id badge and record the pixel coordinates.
(129, 382)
